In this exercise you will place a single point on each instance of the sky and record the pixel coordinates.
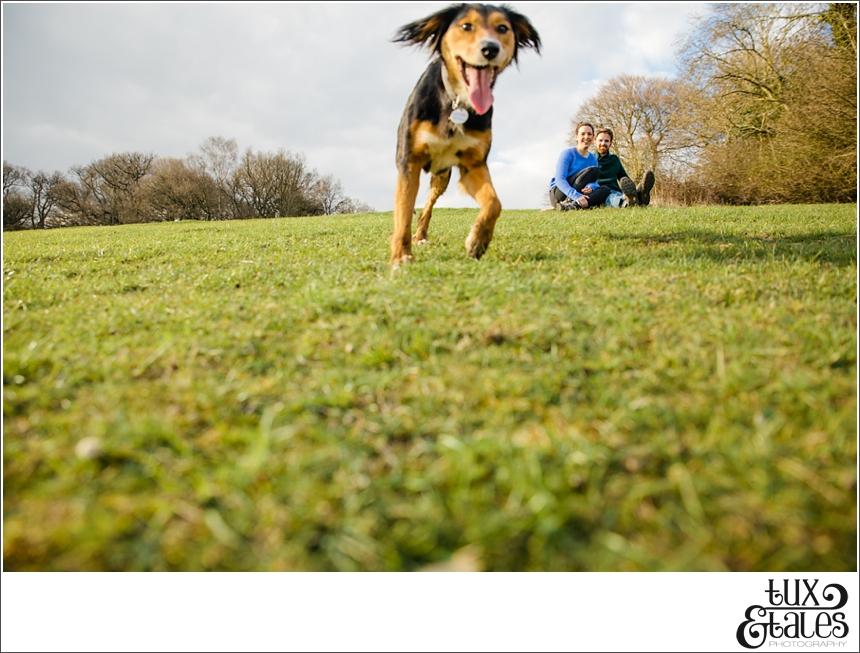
(81, 81)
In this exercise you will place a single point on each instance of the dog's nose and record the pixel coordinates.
(490, 49)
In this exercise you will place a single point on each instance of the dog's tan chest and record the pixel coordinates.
(446, 151)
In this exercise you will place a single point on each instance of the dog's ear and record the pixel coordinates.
(430, 30)
(527, 36)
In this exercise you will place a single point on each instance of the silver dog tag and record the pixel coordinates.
(459, 116)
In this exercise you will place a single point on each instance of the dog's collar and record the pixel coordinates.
(459, 115)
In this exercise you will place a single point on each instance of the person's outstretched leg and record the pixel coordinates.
(598, 196)
(584, 177)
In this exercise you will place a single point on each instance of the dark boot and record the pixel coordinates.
(629, 189)
(643, 193)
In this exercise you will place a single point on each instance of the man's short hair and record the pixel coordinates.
(583, 124)
(605, 130)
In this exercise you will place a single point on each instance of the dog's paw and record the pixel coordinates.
(420, 241)
(401, 260)
(476, 246)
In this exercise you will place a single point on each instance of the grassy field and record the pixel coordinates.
(660, 389)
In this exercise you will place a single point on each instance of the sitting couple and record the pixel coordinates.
(584, 180)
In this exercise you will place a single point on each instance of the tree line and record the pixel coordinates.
(215, 183)
(764, 111)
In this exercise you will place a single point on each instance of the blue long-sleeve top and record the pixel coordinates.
(570, 163)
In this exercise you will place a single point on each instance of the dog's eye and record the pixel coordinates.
(503, 29)
(467, 27)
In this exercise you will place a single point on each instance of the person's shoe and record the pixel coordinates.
(629, 189)
(643, 193)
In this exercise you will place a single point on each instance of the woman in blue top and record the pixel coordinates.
(575, 183)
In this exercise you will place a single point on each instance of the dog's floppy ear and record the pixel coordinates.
(430, 30)
(527, 36)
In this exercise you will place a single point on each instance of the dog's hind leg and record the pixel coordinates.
(438, 185)
(404, 205)
(476, 182)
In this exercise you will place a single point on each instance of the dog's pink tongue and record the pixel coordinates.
(480, 94)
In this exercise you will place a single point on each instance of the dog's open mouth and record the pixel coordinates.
(479, 80)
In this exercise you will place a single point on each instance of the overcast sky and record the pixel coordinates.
(81, 81)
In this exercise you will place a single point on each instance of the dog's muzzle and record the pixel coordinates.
(490, 49)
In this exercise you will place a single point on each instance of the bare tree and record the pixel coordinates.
(276, 184)
(654, 120)
(353, 205)
(780, 85)
(87, 199)
(44, 196)
(76, 200)
(327, 192)
(120, 176)
(842, 19)
(742, 55)
(17, 207)
(107, 191)
(14, 177)
(219, 158)
(177, 191)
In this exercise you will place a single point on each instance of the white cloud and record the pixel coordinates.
(651, 32)
(82, 81)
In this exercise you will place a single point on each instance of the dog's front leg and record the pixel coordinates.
(404, 205)
(438, 184)
(476, 182)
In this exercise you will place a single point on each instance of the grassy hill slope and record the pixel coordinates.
(660, 389)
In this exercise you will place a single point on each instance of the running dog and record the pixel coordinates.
(447, 119)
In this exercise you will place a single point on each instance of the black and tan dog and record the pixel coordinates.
(447, 120)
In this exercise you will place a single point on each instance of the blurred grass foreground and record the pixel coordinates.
(653, 389)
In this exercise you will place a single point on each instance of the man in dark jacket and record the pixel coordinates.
(612, 175)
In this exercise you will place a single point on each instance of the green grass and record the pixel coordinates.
(661, 389)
